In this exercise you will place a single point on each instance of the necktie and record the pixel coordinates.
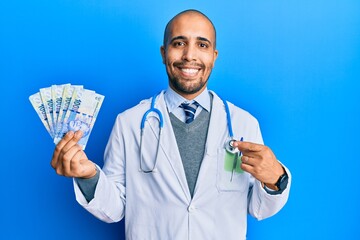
(190, 110)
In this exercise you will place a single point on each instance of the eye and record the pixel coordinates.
(178, 44)
(203, 45)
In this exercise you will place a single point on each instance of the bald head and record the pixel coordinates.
(190, 12)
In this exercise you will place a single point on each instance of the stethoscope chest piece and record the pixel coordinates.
(229, 146)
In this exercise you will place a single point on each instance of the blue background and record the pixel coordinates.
(295, 65)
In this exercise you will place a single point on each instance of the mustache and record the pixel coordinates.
(187, 64)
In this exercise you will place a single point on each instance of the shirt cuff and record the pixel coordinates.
(88, 185)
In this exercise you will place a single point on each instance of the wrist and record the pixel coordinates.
(271, 186)
(278, 174)
(280, 185)
(92, 173)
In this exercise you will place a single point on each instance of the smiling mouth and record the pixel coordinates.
(189, 71)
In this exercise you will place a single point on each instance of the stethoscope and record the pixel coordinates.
(228, 144)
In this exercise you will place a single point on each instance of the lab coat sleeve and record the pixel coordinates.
(262, 204)
(108, 203)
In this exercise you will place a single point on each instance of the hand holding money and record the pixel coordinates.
(70, 160)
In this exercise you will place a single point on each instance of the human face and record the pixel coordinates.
(189, 54)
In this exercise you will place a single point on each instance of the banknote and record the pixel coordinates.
(46, 97)
(56, 95)
(39, 107)
(66, 99)
(99, 100)
(67, 107)
(79, 115)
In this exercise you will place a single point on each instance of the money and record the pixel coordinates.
(67, 107)
(99, 100)
(66, 99)
(39, 107)
(57, 94)
(46, 98)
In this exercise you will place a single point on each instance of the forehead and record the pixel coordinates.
(192, 25)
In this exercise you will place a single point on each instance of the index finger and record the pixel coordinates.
(69, 140)
(68, 136)
(248, 146)
(73, 141)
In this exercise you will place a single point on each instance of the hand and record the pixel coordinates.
(260, 161)
(70, 160)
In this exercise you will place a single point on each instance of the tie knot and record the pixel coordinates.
(190, 110)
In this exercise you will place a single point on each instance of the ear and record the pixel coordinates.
(216, 53)
(162, 51)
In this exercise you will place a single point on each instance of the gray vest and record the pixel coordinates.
(191, 140)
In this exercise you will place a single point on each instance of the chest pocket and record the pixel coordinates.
(227, 179)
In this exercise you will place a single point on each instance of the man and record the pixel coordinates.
(176, 185)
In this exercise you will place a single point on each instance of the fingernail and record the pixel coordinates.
(70, 133)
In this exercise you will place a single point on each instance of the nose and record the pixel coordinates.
(189, 53)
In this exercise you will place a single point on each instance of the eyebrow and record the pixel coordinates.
(203, 39)
(184, 38)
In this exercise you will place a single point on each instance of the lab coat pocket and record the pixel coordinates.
(230, 176)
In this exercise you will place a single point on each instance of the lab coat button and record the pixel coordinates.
(191, 208)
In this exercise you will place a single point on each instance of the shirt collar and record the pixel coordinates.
(173, 99)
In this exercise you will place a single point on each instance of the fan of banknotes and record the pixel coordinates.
(67, 107)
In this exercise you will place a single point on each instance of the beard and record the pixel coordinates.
(181, 86)
(187, 86)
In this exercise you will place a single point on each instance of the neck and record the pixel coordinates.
(189, 96)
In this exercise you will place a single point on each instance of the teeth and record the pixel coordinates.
(189, 70)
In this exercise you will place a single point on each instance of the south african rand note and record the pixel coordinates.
(39, 107)
(46, 97)
(66, 99)
(79, 115)
(56, 95)
(99, 100)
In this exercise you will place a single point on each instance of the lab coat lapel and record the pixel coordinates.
(217, 135)
(168, 145)
(218, 130)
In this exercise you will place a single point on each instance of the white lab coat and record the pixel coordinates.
(158, 205)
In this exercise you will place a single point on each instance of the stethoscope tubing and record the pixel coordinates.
(152, 109)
